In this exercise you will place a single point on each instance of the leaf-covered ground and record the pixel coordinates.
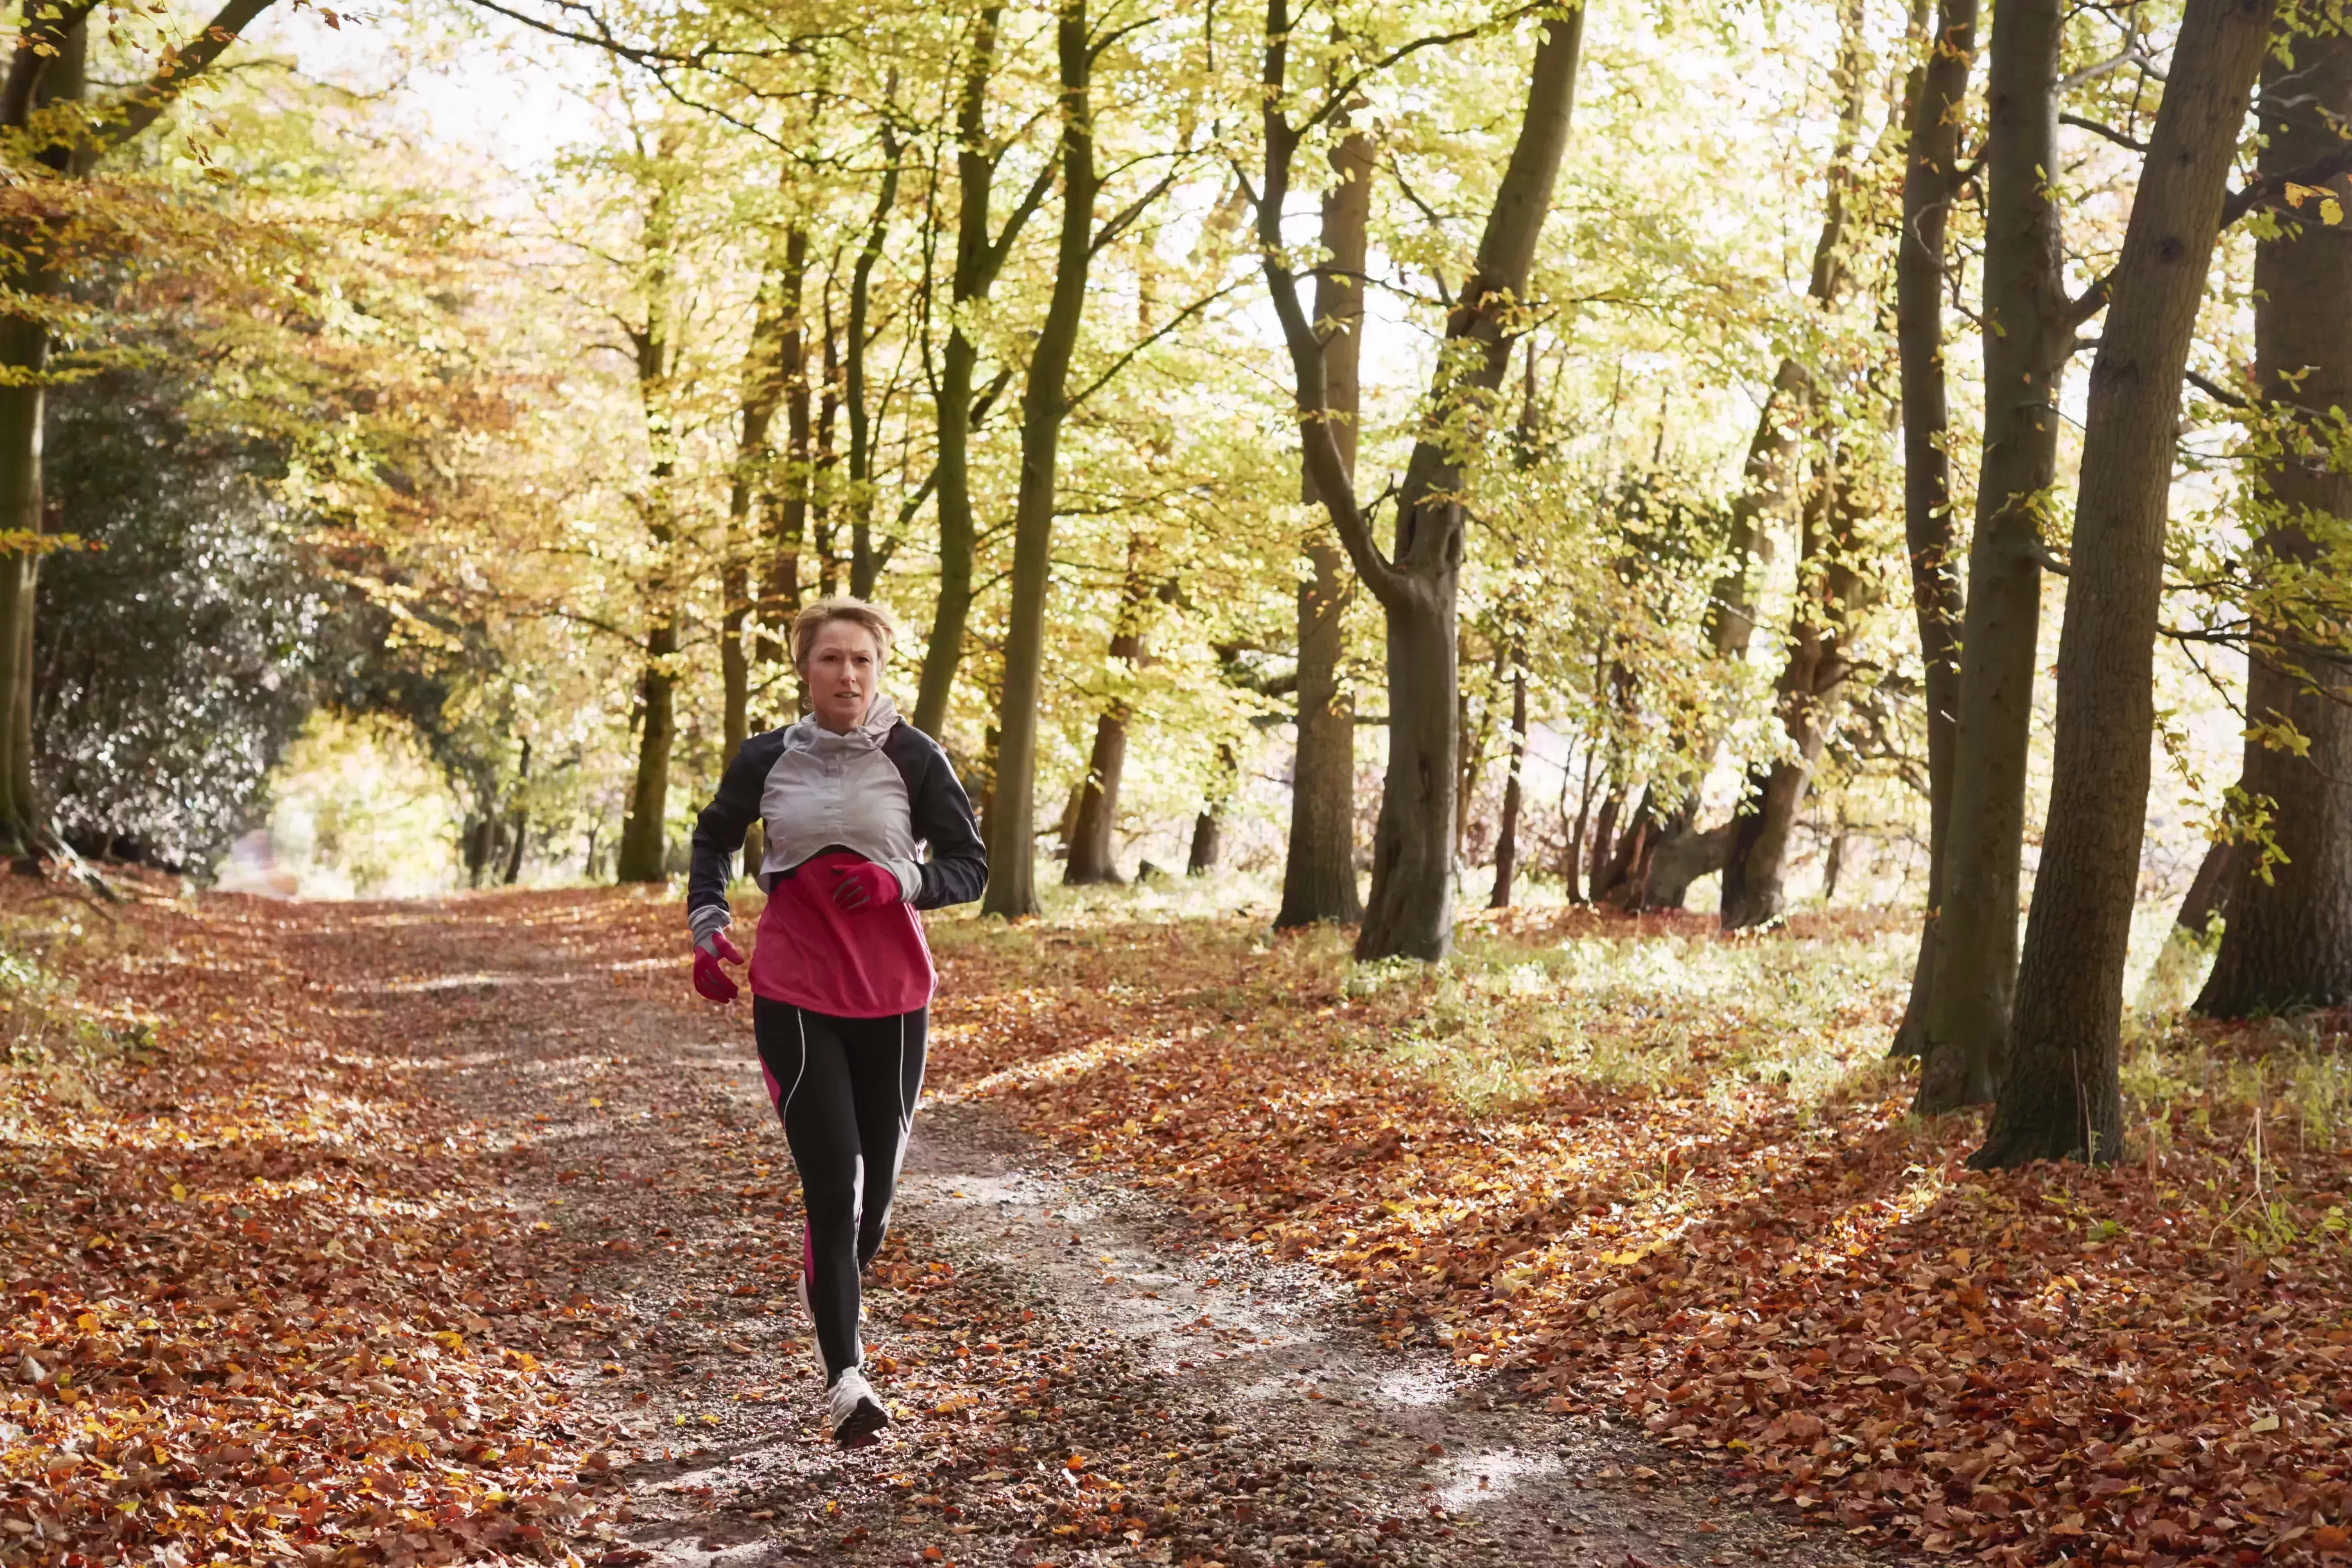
(455, 1233)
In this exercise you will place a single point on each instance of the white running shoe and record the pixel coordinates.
(852, 1411)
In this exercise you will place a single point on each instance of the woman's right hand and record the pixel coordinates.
(710, 978)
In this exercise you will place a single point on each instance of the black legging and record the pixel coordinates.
(845, 1088)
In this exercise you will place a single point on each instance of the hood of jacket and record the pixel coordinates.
(881, 717)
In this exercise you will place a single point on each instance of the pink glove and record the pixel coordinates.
(865, 886)
(712, 981)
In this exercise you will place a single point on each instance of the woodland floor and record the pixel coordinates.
(460, 1231)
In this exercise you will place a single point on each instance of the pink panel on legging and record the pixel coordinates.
(775, 1090)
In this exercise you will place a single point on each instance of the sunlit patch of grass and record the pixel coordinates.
(1686, 1012)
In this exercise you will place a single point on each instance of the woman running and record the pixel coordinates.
(841, 978)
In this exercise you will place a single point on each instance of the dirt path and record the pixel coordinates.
(1077, 1376)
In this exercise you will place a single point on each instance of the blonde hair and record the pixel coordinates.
(841, 607)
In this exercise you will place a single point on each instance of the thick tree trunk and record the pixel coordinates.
(978, 260)
(1319, 871)
(1506, 836)
(1012, 858)
(2029, 334)
(2058, 1096)
(1930, 182)
(2288, 940)
(1411, 912)
(644, 841)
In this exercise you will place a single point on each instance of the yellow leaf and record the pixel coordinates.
(2267, 1424)
(179, 1193)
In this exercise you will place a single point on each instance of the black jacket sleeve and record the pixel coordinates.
(942, 813)
(719, 831)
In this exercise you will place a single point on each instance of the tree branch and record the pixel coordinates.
(2109, 132)
(1178, 320)
(2219, 394)
(2268, 190)
(140, 107)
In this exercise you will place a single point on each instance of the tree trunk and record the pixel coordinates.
(517, 824)
(1930, 183)
(761, 388)
(786, 505)
(1571, 869)
(1044, 404)
(1767, 488)
(24, 350)
(61, 46)
(644, 833)
(2028, 334)
(1604, 832)
(862, 566)
(1506, 836)
(1753, 871)
(1092, 857)
(2209, 890)
(1319, 870)
(1808, 691)
(2288, 940)
(644, 827)
(1093, 853)
(824, 461)
(1473, 748)
(2058, 1096)
(978, 260)
(1209, 826)
(1411, 911)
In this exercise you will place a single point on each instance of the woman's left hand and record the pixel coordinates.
(865, 886)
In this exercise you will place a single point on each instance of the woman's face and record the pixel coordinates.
(844, 663)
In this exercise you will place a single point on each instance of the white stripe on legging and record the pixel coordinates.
(800, 1023)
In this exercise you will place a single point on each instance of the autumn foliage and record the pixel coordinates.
(265, 1292)
(1708, 1210)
